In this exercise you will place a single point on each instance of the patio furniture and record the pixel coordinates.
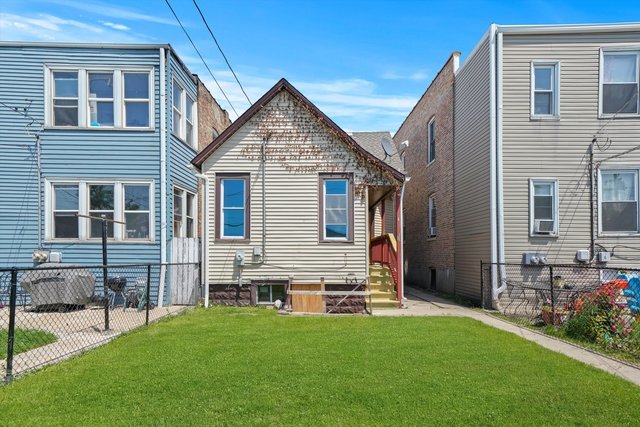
(58, 288)
(117, 286)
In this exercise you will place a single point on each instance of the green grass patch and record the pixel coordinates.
(252, 367)
(25, 340)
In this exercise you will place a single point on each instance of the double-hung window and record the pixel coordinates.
(65, 207)
(619, 201)
(543, 207)
(432, 217)
(184, 213)
(100, 98)
(136, 100)
(336, 213)
(104, 97)
(184, 116)
(128, 203)
(101, 205)
(431, 136)
(545, 89)
(65, 98)
(620, 80)
(232, 206)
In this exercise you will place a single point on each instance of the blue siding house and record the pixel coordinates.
(95, 129)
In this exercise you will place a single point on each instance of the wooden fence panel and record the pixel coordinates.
(184, 281)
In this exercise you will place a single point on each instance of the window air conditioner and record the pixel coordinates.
(544, 226)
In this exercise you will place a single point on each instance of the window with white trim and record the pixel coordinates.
(184, 213)
(431, 138)
(619, 83)
(545, 89)
(543, 207)
(233, 212)
(431, 232)
(336, 212)
(92, 98)
(619, 201)
(184, 115)
(127, 202)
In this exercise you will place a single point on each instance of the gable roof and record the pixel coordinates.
(283, 84)
(372, 142)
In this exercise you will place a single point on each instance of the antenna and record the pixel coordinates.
(387, 146)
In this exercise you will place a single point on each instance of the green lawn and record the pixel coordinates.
(251, 366)
(25, 339)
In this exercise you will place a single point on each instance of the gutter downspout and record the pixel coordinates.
(39, 168)
(264, 198)
(204, 244)
(499, 190)
(592, 247)
(401, 234)
(492, 162)
(163, 178)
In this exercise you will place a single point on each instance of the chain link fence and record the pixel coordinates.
(594, 304)
(51, 312)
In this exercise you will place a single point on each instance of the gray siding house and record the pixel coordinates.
(547, 131)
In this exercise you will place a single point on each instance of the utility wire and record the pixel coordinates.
(23, 112)
(201, 58)
(220, 49)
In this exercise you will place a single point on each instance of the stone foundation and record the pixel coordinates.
(351, 305)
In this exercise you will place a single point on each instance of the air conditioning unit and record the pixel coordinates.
(432, 231)
(544, 226)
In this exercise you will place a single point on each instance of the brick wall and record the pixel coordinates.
(435, 179)
(212, 120)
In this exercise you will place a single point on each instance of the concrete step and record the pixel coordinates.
(384, 303)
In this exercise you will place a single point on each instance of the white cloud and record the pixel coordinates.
(105, 9)
(418, 76)
(115, 26)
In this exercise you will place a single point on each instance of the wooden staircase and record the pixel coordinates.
(383, 292)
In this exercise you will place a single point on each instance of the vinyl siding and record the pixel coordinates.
(559, 149)
(472, 168)
(292, 247)
(67, 153)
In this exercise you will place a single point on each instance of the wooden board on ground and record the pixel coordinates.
(307, 303)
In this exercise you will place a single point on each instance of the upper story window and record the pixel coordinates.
(184, 115)
(95, 98)
(619, 201)
(184, 224)
(336, 208)
(232, 206)
(432, 217)
(619, 80)
(543, 207)
(129, 203)
(431, 138)
(545, 90)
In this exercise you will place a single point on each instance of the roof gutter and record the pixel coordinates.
(569, 28)
(163, 178)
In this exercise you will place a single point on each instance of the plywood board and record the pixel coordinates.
(307, 303)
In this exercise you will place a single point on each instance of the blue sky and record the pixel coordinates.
(364, 63)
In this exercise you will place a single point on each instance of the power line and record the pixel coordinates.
(220, 49)
(201, 58)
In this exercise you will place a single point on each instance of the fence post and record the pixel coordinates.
(148, 291)
(481, 284)
(105, 280)
(200, 285)
(553, 302)
(12, 324)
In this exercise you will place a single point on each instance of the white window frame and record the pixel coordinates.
(97, 212)
(90, 98)
(148, 100)
(119, 230)
(634, 170)
(431, 201)
(194, 209)
(84, 119)
(324, 210)
(555, 89)
(431, 156)
(222, 208)
(555, 208)
(51, 98)
(603, 53)
(182, 111)
(52, 210)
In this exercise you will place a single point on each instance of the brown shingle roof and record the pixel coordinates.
(372, 142)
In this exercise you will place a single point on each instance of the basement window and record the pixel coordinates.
(268, 294)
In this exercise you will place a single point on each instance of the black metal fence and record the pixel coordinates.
(51, 312)
(590, 303)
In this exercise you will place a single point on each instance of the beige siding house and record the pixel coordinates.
(532, 104)
(288, 201)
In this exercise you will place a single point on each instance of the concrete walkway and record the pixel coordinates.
(420, 303)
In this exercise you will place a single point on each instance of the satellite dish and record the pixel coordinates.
(388, 146)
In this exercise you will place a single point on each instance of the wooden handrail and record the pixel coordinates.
(384, 250)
